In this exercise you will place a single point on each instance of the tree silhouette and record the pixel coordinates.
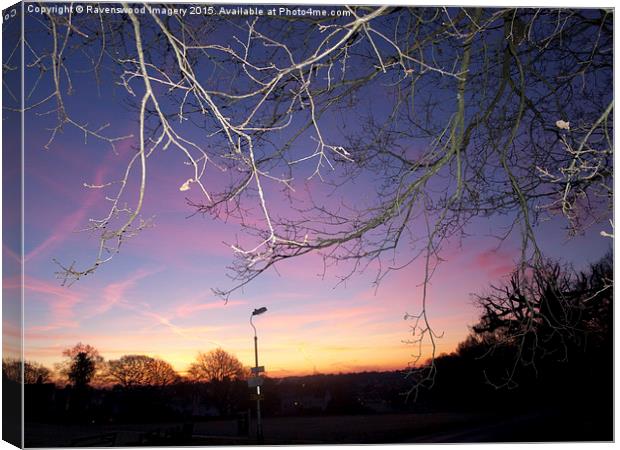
(82, 370)
(35, 373)
(82, 364)
(217, 365)
(140, 370)
(224, 373)
(547, 312)
(12, 369)
(161, 373)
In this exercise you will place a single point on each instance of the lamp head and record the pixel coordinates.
(258, 311)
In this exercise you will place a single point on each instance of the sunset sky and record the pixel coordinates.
(155, 297)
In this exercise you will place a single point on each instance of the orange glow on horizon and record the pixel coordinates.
(298, 357)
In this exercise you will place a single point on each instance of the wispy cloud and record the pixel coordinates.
(186, 309)
(86, 198)
(114, 293)
(59, 301)
(496, 262)
(6, 251)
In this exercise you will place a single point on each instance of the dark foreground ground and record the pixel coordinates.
(540, 426)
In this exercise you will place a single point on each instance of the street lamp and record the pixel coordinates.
(256, 380)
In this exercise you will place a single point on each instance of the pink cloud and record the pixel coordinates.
(6, 251)
(326, 315)
(59, 233)
(187, 309)
(174, 243)
(60, 301)
(85, 197)
(45, 352)
(115, 293)
(10, 329)
(188, 333)
(496, 263)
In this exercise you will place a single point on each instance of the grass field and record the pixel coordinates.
(277, 430)
(362, 429)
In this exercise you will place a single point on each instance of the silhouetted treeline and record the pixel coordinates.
(543, 342)
(180, 401)
(371, 392)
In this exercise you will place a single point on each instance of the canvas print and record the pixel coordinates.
(306, 224)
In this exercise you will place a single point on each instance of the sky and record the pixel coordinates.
(156, 298)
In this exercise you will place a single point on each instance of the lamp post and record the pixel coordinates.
(256, 370)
